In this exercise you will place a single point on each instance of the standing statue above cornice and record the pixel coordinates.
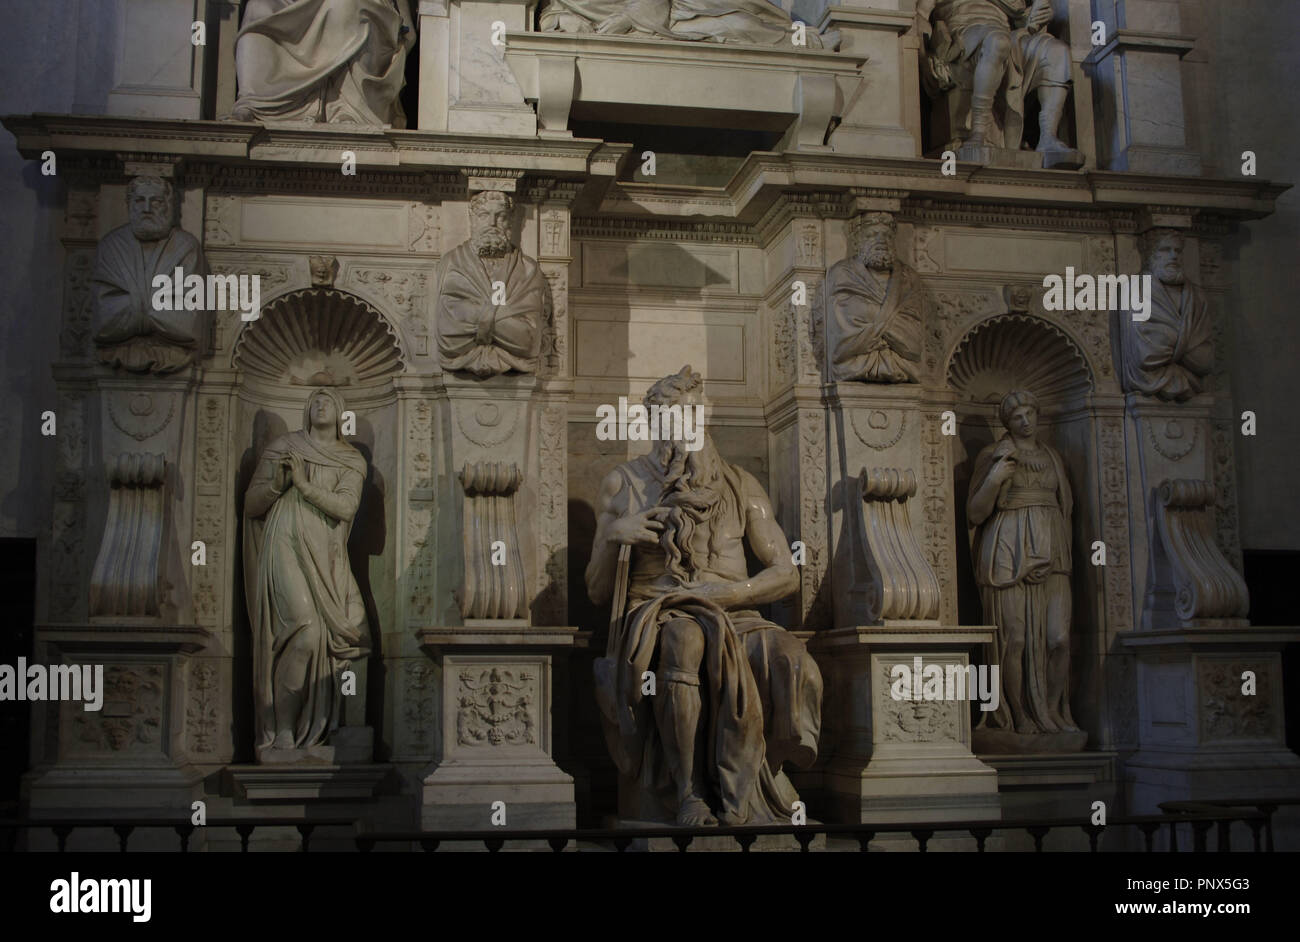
(991, 54)
(756, 22)
(331, 61)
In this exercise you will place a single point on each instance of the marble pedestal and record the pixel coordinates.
(899, 760)
(495, 727)
(1055, 785)
(1200, 736)
(129, 758)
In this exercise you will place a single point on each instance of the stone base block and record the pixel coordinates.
(910, 790)
(306, 781)
(348, 746)
(990, 156)
(1009, 742)
(463, 797)
(86, 792)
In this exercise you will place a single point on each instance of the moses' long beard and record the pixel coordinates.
(693, 496)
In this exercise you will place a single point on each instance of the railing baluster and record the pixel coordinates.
(430, 844)
(922, 836)
(864, 839)
(245, 831)
(305, 830)
(745, 841)
(1094, 832)
(1038, 832)
(980, 835)
(184, 830)
(61, 832)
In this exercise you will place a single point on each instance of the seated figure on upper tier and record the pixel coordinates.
(323, 61)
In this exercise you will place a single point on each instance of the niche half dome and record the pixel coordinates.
(319, 336)
(1017, 351)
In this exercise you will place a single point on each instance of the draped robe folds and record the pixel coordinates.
(755, 22)
(294, 58)
(478, 336)
(1027, 532)
(1169, 354)
(130, 332)
(875, 330)
(1036, 57)
(761, 690)
(302, 596)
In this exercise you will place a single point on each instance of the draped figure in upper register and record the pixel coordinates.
(334, 61)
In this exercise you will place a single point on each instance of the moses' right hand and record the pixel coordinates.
(636, 529)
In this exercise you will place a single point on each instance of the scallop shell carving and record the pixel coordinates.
(315, 331)
(1017, 351)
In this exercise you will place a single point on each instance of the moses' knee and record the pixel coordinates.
(681, 646)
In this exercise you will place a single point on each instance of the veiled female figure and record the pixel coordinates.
(1019, 513)
(307, 615)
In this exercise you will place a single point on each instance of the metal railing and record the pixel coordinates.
(1197, 817)
(185, 828)
(1266, 806)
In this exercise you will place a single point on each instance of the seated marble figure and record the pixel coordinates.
(333, 61)
(756, 22)
(737, 696)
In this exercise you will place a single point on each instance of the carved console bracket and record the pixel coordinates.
(494, 585)
(127, 579)
(903, 586)
(1191, 582)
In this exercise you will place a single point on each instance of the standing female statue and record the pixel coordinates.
(1019, 512)
(308, 619)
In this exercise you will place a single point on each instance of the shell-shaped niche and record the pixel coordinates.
(319, 336)
(1017, 351)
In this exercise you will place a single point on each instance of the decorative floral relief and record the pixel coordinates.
(1226, 712)
(496, 706)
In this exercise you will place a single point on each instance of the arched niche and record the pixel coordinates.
(305, 339)
(319, 330)
(1019, 351)
(1026, 352)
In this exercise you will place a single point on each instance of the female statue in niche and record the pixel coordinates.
(306, 612)
(1019, 513)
